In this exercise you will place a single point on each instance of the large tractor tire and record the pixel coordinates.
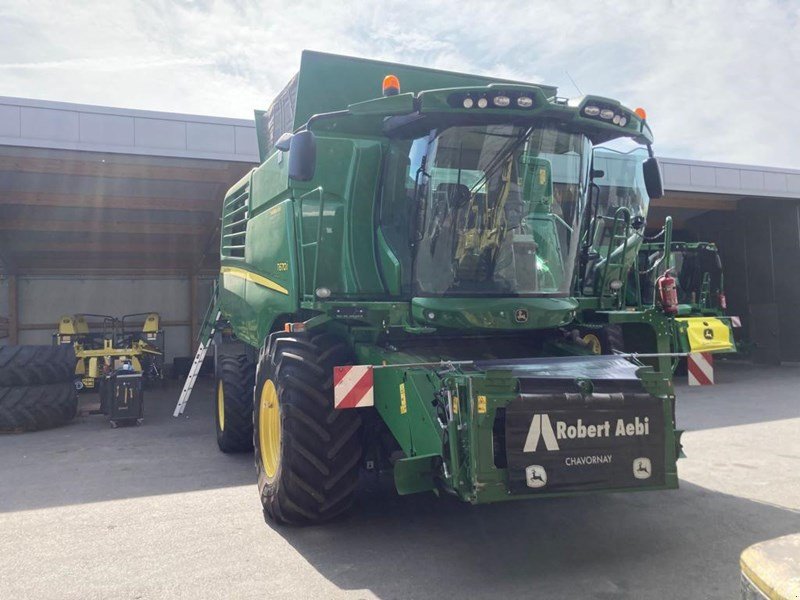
(34, 407)
(36, 365)
(307, 454)
(234, 402)
(603, 339)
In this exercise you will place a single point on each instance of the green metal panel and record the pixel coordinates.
(494, 313)
(345, 256)
(274, 257)
(270, 181)
(328, 82)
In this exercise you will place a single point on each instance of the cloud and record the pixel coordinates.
(720, 80)
(108, 63)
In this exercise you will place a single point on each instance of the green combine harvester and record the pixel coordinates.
(623, 272)
(402, 279)
(612, 314)
(698, 270)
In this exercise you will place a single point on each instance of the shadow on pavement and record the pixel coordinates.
(88, 461)
(611, 546)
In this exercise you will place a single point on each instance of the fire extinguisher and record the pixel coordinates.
(668, 293)
(723, 301)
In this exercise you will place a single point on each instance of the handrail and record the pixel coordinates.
(209, 311)
(315, 243)
(666, 256)
(621, 216)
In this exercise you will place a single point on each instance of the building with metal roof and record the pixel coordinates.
(133, 197)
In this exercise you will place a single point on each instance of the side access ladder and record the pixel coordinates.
(206, 338)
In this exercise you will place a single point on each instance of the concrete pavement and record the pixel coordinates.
(157, 512)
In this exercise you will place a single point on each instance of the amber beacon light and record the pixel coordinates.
(391, 85)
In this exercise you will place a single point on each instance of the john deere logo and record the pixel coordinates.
(521, 315)
(708, 333)
(535, 476)
(642, 468)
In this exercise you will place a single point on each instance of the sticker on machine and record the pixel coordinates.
(642, 468)
(353, 386)
(535, 476)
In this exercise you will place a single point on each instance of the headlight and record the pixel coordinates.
(524, 102)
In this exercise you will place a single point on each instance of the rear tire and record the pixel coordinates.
(233, 402)
(36, 365)
(309, 458)
(34, 407)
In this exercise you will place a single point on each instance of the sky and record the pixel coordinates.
(720, 80)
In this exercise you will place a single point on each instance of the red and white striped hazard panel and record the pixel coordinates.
(700, 367)
(353, 386)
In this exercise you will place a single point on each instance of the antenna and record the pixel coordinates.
(573, 82)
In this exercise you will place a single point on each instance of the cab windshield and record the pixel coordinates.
(495, 209)
(621, 185)
(619, 211)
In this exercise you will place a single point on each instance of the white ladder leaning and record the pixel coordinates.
(202, 350)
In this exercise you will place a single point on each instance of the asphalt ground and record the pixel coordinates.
(157, 511)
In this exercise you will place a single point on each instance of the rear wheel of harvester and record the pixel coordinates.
(233, 402)
(34, 407)
(36, 365)
(307, 454)
(604, 339)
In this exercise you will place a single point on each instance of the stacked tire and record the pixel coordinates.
(37, 389)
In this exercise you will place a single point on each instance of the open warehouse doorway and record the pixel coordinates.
(111, 212)
(752, 214)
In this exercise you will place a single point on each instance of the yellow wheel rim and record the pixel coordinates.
(593, 342)
(221, 407)
(269, 429)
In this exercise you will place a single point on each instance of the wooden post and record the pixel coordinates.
(13, 310)
(192, 312)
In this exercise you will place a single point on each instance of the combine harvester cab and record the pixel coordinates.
(397, 291)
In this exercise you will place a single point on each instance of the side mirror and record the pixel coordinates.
(302, 156)
(652, 178)
(284, 141)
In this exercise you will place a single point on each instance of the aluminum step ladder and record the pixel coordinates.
(202, 350)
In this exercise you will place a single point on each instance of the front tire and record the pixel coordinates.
(603, 339)
(233, 402)
(307, 454)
